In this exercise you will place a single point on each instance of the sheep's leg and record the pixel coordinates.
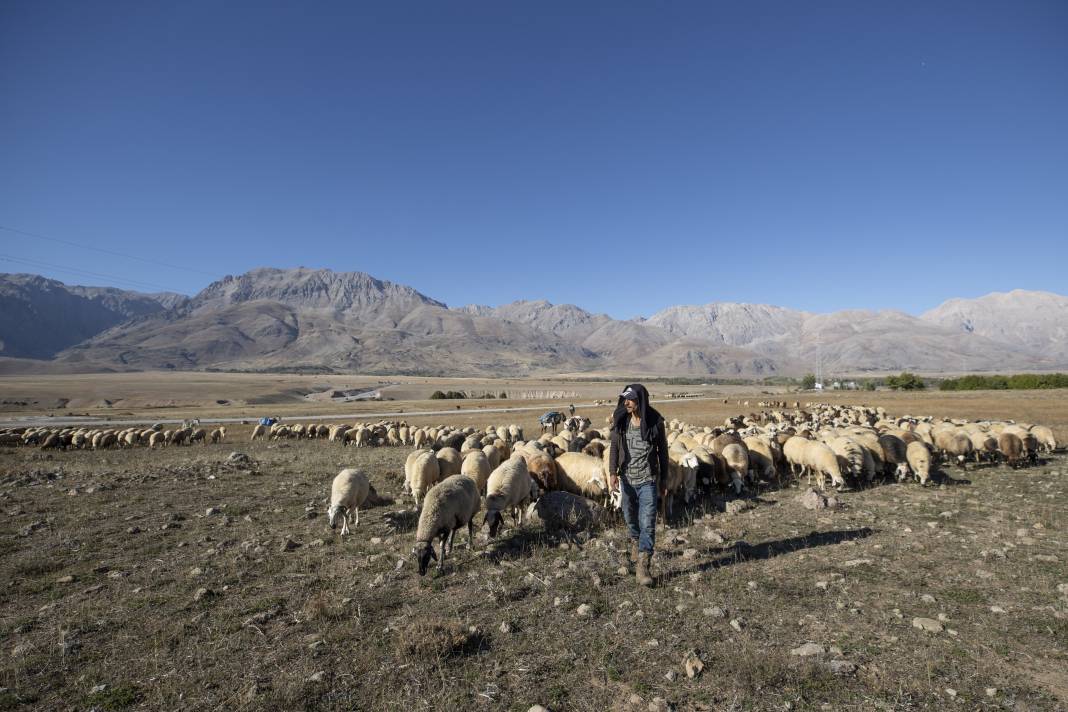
(356, 521)
(344, 524)
(471, 534)
(441, 561)
(737, 481)
(452, 537)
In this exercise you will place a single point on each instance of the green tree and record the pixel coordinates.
(809, 381)
(906, 381)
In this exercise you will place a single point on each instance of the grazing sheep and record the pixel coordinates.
(737, 459)
(476, 466)
(794, 452)
(821, 461)
(850, 455)
(953, 443)
(1044, 435)
(260, 431)
(493, 455)
(919, 459)
(218, 435)
(199, 435)
(450, 504)
(542, 469)
(681, 477)
(761, 458)
(1011, 448)
(581, 474)
(421, 472)
(894, 454)
(449, 461)
(509, 488)
(348, 491)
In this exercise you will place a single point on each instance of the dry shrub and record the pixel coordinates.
(437, 640)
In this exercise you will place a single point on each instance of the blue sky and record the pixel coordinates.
(620, 156)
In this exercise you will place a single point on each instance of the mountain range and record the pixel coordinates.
(304, 319)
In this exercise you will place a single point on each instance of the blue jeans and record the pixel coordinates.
(639, 511)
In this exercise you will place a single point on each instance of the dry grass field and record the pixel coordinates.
(177, 580)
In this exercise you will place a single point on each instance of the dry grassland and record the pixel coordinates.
(181, 581)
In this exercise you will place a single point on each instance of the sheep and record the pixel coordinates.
(449, 505)
(821, 460)
(761, 457)
(581, 474)
(681, 476)
(542, 469)
(510, 487)
(737, 459)
(1011, 448)
(984, 445)
(476, 466)
(794, 452)
(1044, 435)
(348, 491)
(217, 435)
(260, 431)
(953, 443)
(199, 435)
(421, 472)
(851, 456)
(919, 459)
(449, 461)
(493, 455)
(894, 453)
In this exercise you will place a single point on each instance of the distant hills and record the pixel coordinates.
(349, 321)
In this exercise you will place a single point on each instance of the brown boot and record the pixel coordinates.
(633, 552)
(642, 572)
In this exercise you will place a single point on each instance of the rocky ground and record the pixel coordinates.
(184, 579)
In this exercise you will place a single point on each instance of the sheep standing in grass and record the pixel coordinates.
(217, 435)
(1011, 448)
(820, 460)
(581, 474)
(509, 488)
(542, 469)
(919, 459)
(476, 466)
(449, 461)
(449, 505)
(894, 454)
(421, 472)
(1044, 435)
(348, 491)
(737, 459)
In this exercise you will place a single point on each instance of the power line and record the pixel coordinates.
(107, 252)
(82, 272)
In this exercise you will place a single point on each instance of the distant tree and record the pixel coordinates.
(869, 385)
(905, 381)
(503, 395)
(437, 395)
(809, 381)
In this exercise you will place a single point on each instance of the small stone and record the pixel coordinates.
(635, 699)
(538, 708)
(69, 578)
(670, 675)
(659, 704)
(736, 623)
(689, 554)
(203, 593)
(943, 617)
(927, 624)
(212, 511)
(991, 692)
(506, 628)
(997, 609)
(714, 612)
(133, 530)
(376, 540)
(808, 649)
(951, 692)
(752, 585)
(97, 689)
(737, 506)
(317, 677)
(583, 610)
(714, 537)
(927, 598)
(622, 571)
(842, 667)
(289, 544)
(822, 585)
(195, 571)
(316, 543)
(856, 562)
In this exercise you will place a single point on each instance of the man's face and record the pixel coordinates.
(631, 406)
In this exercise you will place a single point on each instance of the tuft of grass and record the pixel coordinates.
(437, 640)
(120, 697)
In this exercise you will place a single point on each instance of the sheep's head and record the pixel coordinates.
(423, 553)
(494, 520)
(333, 513)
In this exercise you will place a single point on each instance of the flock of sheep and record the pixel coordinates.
(453, 474)
(104, 438)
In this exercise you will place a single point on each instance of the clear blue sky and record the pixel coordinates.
(620, 156)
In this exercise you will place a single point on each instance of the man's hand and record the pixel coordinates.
(613, 483)
(663, 492)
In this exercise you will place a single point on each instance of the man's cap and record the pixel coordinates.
(629, 394)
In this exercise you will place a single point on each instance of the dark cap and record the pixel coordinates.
(629, 394)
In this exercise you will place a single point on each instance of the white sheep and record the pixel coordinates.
(476, 466)
(449, 505)
(510, 487)
(421, 472)
(449, 461)
(581, 474)
(348, 491)
(919, 459)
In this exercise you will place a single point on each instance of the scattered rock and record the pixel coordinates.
(737, 506)
(506, 628)
(670, 675)
(212, 511)
(841, 667)
(659, 704)
(317, 677)
(713, 536)
(97, 689)
(809, 649)
(289, 544)
(689, 554)
(714, 612)
(811, 499)
(22, 650)
(997, 609)
(583, 610)
(133, 530)
(203, 593)
(927, 598)
(991, 692)
(951, 692)
(538, 708)
(239, 458)
(737, 623)
(69, 578)
(856, 562)
(927, 624)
